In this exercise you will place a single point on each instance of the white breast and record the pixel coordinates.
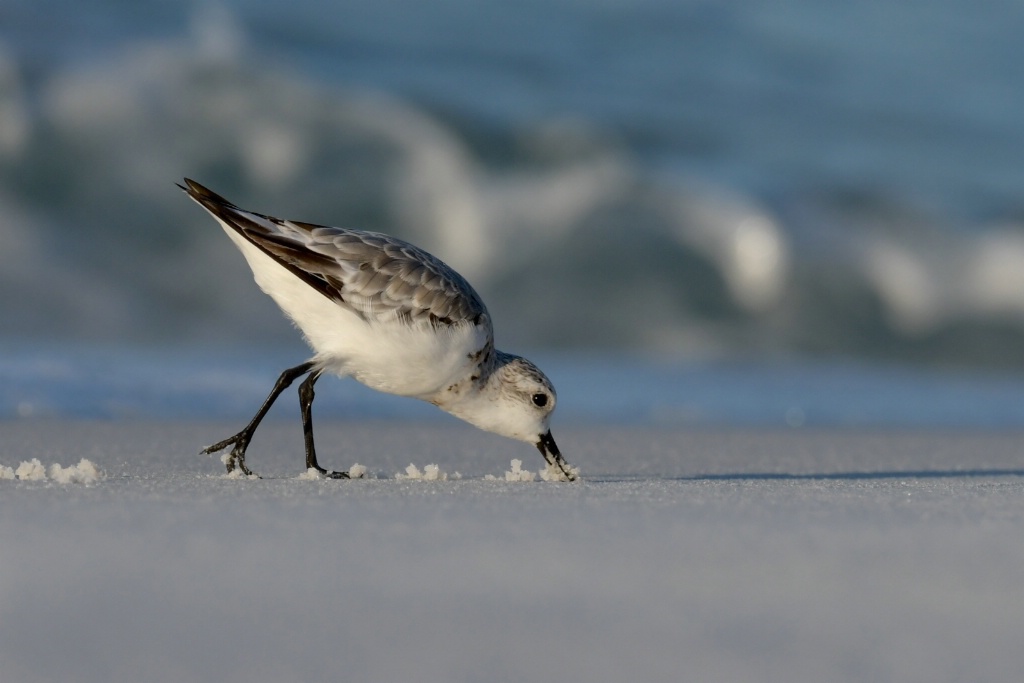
(394, 357)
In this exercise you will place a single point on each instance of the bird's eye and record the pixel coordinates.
(540, 400)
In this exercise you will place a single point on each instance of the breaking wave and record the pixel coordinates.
(572, 239)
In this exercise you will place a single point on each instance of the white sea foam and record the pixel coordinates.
(357, 471)
(239, 474)
(549, 473)
(31, 470)
(85, 472)
(517, 473)
(428, 473)
(126, 110)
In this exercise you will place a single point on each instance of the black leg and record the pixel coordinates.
(240, 441)
(306, 396)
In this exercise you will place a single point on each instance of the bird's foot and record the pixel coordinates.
(235, 460)
(329, 474)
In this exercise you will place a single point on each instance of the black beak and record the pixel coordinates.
(549, 450)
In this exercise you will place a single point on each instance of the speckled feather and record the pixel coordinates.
(379, 277)
(390, 315)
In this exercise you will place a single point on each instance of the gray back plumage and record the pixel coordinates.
(379, 277)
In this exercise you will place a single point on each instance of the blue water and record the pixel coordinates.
(702, 180)
(218, 384)
(806, 212)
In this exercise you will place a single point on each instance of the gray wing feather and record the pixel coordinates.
(377, 276)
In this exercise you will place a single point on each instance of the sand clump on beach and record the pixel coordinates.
(85, 472)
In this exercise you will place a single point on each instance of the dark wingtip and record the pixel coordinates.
(204, 195)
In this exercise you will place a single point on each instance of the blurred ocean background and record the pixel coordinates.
(794, 213)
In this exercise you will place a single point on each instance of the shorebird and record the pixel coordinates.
(391, 316)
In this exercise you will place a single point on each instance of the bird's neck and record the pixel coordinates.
(474, 399)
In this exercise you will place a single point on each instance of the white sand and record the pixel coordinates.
(789, 556)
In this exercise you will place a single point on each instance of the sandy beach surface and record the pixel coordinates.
(696, 555)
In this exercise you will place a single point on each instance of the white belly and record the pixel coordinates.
(417, 361)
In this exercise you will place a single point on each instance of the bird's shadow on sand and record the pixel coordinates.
(847, 476)
(832, 476)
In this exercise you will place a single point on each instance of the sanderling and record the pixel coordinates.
(391, 316)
